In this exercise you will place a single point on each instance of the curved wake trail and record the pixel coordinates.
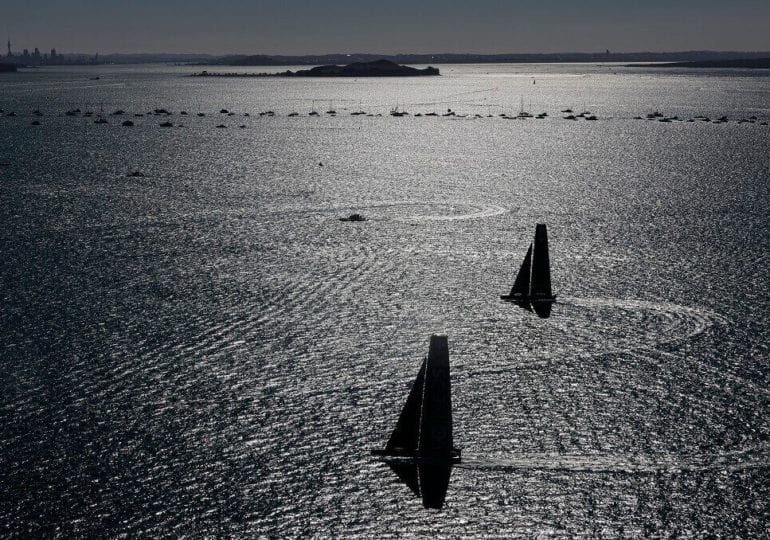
(684, 322)
(407, 210)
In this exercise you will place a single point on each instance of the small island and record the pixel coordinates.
(7, 68)
(379, 68)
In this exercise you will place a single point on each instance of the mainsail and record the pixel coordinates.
(540, 287)
(436, 419)
(424, 427)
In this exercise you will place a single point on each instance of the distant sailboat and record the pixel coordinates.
(420, 449)
(532, 287)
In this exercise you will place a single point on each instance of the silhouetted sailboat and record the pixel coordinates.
(532, 287)
(420, 450)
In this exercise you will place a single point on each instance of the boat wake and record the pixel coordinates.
(468, 212)
(675, 323)
(399, 211)
(409, 211)
(729, 461)
(606, 326)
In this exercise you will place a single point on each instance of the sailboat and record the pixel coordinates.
(420, 449)
(532, 287)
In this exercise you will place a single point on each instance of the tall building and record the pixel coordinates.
(9, 47)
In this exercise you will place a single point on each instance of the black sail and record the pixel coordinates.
(436, 420)
(541, 266)
(422, 444)
(405, 437)
(521, 285)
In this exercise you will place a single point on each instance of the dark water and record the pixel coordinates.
(207, 350)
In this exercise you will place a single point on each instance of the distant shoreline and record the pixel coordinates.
(202, 59)
(746, 63)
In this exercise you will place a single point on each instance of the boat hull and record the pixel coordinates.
(541, 306)
(454, 457)
(509, 298)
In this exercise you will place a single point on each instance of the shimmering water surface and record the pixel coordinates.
(207, 350)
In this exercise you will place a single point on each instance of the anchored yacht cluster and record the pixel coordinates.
(567, 114)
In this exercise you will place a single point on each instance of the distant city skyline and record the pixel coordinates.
(293, 27)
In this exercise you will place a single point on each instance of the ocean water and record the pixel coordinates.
(206, 350)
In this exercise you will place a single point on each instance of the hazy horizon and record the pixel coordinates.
(375, 53)
(300, 27)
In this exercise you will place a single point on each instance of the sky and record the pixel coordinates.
(387, 27)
